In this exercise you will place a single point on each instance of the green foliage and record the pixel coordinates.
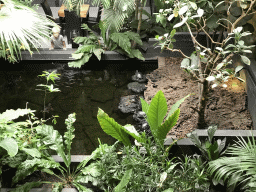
(124, 181)
(45, 163)
(16, 37)
(49, 88)
(11, 137)
(89, 45)
(119, 132)
(239, 167)
(155, 113)
(188, 175)
(211, 149)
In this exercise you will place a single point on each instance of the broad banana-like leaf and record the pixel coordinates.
(177, 105)
(10, 145)
(112, 128)
(124, 181)
(163, 130)
(156, 112)
(144, 106)
(133, 132)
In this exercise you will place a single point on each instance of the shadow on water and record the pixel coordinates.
(83, 91)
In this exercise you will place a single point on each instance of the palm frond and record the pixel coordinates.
(240, 168)
(21, 26)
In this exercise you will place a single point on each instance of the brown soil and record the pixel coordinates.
(226, 106)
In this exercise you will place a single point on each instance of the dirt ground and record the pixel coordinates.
(227, 107)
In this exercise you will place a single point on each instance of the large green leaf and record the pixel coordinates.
(122, 40)
(137, 53)
(177, 105)
(11, 114)
(133, 132)
(98, 52)
(156, 112)
(125, 179)
(20, 33)
(212, 22)
(80, 62)
(144, 105)
(29, 166)
(112, 128)
(163, 130)
(10, 145)
(53, 139)
(134, 36)
(33, 152)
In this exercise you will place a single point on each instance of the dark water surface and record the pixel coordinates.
(82, 92)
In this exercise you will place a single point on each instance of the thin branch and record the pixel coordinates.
(178, 51)
(242, 16)
(209, 36)
(195, 41)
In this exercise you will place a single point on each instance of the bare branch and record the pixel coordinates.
(195, 41)
(209, 36)
(178, 51)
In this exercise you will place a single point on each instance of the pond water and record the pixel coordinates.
(83, 91)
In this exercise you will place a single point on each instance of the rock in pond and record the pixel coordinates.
(137, 87)
(129, 104)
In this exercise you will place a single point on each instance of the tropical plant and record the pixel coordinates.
(206, 64)
(27, 29)
(149, 27)
(146, 168)
(120, 42)
(155, 114)
(49, 88)
(114, 11)
(239, 167)
(211, 149)
(18, 140)
(28, 3)
(45, 163)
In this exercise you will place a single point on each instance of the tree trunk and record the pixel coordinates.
(203, 98)
(136, 9)
(140, 19)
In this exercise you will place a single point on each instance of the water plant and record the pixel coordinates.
(49, 88)
(206, 64)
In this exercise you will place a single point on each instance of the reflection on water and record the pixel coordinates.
(82, 92)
